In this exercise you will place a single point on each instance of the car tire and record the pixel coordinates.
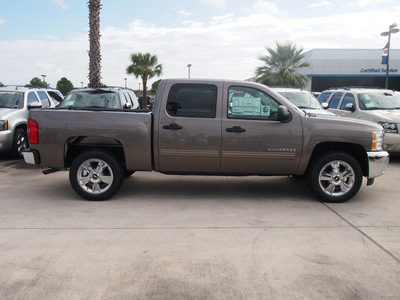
(20, 143)
(96, 175)
(335, 177)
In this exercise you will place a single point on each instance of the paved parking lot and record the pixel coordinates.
(175, 237)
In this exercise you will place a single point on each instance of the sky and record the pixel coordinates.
(220, 38)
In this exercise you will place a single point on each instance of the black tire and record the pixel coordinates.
(335, 177)
(20, 143)
(96, 175)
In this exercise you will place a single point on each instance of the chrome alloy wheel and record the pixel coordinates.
(336, 178)
(21, 142)
(95, 176)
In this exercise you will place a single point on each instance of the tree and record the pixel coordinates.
(154, 86)
(36, 82)
(64, 85)
(146, 66)
(281, 67)
(94, 38)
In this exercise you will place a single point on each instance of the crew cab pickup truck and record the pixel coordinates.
(207, 127)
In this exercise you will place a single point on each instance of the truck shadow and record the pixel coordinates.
(159, 186)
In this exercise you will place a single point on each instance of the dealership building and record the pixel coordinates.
(350, 67)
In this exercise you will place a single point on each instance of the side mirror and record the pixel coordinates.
(350, 107)
(325, 105)
(35, 105)
(284, 114)
(127, 106)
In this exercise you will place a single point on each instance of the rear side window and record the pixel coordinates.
(192, 100)
(44, 99)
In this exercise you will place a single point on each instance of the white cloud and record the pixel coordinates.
(61, 3)
(363, 3)
(226, 47)
(2, 21)
(214, 3)
(270, 8)
(319, 4)
(183, 13)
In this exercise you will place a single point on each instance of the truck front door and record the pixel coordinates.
(254, 141)
(189, 130)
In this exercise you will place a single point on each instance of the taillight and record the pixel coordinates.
(33, 132)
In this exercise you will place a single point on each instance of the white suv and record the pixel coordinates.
(15, 102)
(103, 98)
(376, 105)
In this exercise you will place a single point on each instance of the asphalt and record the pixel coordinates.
(177, 237)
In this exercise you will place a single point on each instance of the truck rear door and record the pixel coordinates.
(189, 128)
(254, 141)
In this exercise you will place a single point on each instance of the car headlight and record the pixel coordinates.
(389, 127)
(377, 140)
(3, 125)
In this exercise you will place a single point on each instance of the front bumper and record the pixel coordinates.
(31, 157)
(378, 162)
(6, 140)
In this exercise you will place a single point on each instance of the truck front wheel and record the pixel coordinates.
(96, 175)
(335, 177)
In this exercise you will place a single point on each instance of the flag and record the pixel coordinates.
(385, 51)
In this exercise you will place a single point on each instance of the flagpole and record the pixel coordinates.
(392, 29)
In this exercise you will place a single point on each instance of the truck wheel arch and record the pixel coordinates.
(354, 150)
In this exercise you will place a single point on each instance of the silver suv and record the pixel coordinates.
(15, 102)
(108, 98)
(376, 105)
(304, 100)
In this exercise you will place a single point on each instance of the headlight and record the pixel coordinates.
(3, 125)
(377, 140)
(389, 127)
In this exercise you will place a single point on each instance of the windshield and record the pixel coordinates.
(371, 101)
(302, 100)
(11, 100)
(92, 99)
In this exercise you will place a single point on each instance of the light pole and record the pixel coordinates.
(125, 82)
(392, 29)
(82, 83)
(44, 78)
(189, 65)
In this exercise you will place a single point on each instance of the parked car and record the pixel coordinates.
(15, 102)
(377, 105)
(112, 98)
(303, 100)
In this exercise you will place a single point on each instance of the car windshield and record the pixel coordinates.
(302, 100)
(373, 101)
(11, 100)
(92, 99)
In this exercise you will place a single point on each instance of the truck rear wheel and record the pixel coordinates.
(96, 175)
(335, 177)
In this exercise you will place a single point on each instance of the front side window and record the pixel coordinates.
(32, 98)
(44, 99)
(250, 103)
(334, 103)
(348, 99)
(192, 100)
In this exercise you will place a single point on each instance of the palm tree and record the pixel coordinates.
(281, 67)
(146, 66)
(94, 50)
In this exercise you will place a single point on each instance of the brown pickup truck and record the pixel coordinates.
(207, 127)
